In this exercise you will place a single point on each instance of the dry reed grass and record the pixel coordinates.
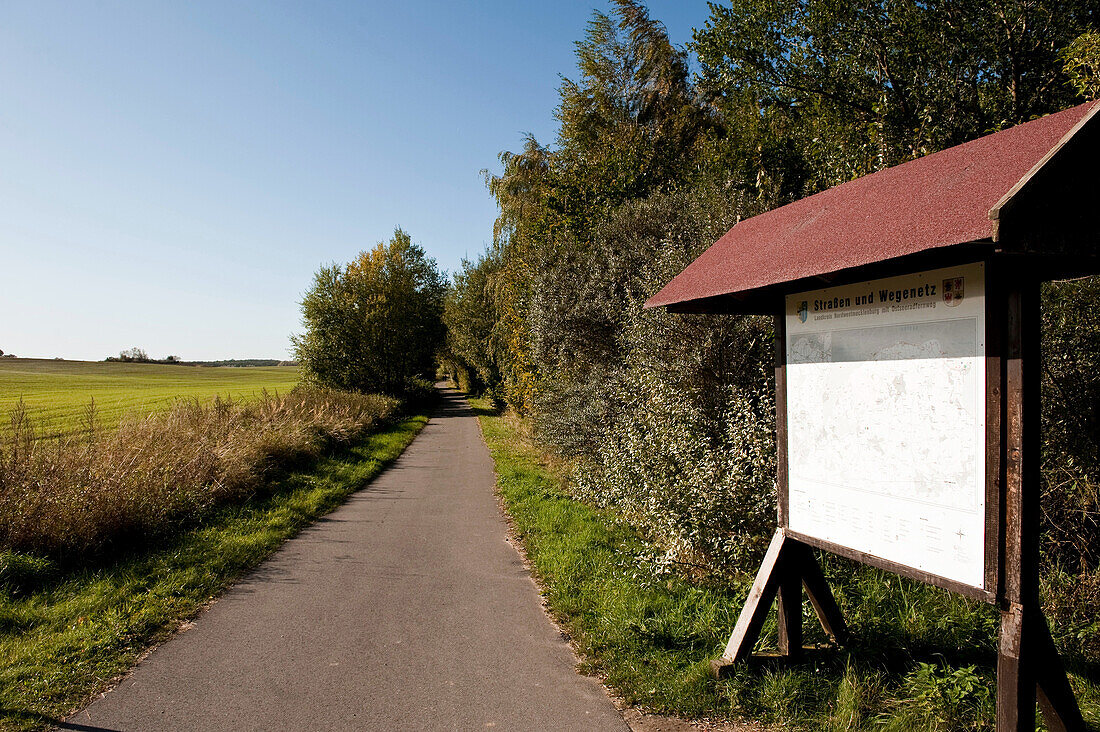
(101, 491)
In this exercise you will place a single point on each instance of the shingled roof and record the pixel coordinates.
(952, 198)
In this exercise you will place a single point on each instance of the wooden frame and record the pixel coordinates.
(1029, 667)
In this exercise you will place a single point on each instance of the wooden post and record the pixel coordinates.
(1015, 682)
(790, 611)
(790, 583)
(782, 507)
(1028, 663)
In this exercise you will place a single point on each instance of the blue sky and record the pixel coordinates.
(172, 173)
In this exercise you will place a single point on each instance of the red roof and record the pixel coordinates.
(940, 200)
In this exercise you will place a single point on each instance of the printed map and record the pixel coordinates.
(888, 417)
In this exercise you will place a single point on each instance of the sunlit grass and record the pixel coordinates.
(56, 394)
(920, 657)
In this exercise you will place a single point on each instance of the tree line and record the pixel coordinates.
(670, 418)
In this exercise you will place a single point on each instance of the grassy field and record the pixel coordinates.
(57, 393)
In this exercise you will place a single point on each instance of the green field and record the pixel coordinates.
(57, 393)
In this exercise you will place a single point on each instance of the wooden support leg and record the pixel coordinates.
(1029, 668)
(821, 597)
(790, 608)
(757, 605)
(787, 567)
(1056, 697)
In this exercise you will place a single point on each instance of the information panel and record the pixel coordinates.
(886, 419)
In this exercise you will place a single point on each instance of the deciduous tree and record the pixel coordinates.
(375, 323)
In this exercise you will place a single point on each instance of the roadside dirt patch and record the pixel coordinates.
(640, 722)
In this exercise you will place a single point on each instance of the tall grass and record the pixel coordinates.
(63, 640)
(86, 494)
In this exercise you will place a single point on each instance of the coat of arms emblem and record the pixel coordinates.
(953, 290)
(803, 311)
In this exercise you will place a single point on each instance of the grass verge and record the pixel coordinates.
(71, 637)
(920, 658)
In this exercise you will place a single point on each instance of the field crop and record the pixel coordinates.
(56, 394)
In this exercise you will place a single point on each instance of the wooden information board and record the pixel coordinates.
(907, 323)
(907, 438)
(886, 422)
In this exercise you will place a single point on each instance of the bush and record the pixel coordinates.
(709, 503)
(668, 418)
(419, 394)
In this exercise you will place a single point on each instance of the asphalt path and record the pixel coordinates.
(405, 609)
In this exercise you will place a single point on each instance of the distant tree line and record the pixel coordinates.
(670, 418)
(138, 355)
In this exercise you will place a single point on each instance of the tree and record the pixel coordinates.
(1082, 64)
(472, 318)
(133, 354)
(375, 323)
(629, 127)
(860, 85)
(629, 123)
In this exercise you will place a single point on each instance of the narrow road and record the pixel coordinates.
(405, 609)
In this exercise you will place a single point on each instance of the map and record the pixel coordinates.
(886, 419)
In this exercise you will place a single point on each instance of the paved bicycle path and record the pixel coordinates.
(405, 609)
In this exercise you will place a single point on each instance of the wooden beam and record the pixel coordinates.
(1029, 668)
(757, 605)
(1056, 697)
(994, 434)
(975, 593)
(782, 486)
(821, 597)
(1015, 677)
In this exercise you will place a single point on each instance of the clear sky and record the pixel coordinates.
(172, 173)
